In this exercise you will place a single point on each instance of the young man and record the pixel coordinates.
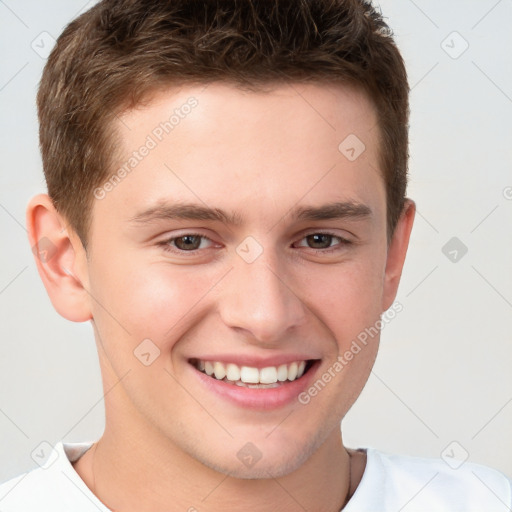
(226, 206)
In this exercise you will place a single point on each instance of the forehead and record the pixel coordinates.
(304, 109)
(227, 147)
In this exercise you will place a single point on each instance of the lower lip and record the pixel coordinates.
(258, 398)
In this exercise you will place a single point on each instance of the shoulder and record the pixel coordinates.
(54, 486)
(399, 482)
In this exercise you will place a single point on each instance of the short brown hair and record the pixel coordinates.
(113, 55)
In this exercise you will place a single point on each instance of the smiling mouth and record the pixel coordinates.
(252, 377)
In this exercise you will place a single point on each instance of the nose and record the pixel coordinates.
(258, 299)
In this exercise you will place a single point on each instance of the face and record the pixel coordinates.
(249, 240)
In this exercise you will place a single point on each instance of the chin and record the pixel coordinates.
(259, 471)
(249, 463)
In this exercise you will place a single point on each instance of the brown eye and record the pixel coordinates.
(319, 240)
(188, 242)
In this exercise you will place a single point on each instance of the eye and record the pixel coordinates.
(323, 242)
(319, 240)
(188, 242)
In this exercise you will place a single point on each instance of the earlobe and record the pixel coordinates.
(60, 259)
(396, 253)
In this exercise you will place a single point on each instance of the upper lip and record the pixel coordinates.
(254, 361)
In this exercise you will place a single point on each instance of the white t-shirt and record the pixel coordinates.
(390, 483)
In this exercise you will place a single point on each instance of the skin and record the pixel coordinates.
(169, 444)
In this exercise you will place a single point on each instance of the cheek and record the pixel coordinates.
(347, 301)
(153, 301)
(346, 298)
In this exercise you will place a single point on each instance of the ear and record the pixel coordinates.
(396, 253)
(60, 258)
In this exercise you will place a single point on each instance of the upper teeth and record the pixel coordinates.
(251, 375)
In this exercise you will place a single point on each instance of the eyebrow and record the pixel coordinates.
(339, 210)
(185, 211)
(195, 211)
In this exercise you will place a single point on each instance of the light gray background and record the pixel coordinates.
(444, 369)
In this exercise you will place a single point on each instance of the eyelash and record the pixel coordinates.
(342, 242)
(166, 244)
